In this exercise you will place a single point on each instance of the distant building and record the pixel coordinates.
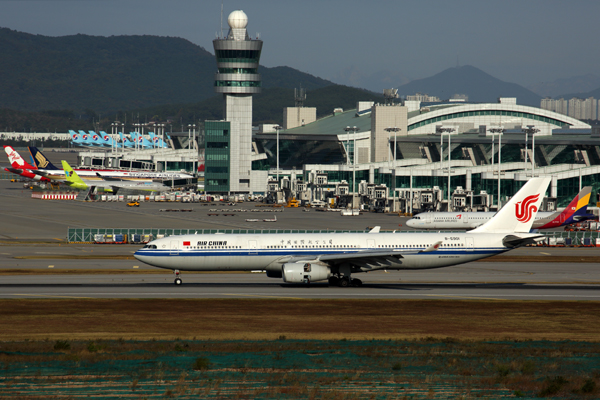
(575, 107)
(424, 98)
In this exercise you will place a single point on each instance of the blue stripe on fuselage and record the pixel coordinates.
(294, 252)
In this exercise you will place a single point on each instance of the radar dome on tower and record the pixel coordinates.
(237, 20)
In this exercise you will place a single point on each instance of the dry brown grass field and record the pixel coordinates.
(267, 319)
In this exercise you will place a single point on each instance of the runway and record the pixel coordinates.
(481, 280)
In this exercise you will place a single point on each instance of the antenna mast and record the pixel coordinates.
(221, 20)
(299, 97)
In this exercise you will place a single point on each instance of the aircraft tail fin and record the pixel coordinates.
(40, 160)
(16, 161)
(71, 175)
(577, 208)
(519, 213)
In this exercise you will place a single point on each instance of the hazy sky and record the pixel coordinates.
(521, 41)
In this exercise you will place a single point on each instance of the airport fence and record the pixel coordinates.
(88, 235)
(6, 176)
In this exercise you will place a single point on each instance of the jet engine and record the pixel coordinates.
(305, 272)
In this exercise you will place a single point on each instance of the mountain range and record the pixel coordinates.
(103, 75)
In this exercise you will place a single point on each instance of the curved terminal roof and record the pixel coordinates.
(423, 121)
(486, 114)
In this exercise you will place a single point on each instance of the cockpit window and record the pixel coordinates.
(149, 246)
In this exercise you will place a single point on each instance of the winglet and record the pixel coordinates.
(375, 229)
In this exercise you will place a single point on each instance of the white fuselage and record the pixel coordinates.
(458, 220)
(91, 174)
(245, 252)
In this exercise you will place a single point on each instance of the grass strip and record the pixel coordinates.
(268, 319)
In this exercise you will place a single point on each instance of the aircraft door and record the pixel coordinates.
(465, 218)
(174, 247)
(469, 243)
(370, 243)
(252, 246)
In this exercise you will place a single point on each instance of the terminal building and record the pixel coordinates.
(395, 156)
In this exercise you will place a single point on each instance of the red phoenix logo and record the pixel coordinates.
(524, 209)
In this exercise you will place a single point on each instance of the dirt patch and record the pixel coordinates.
(266, 319)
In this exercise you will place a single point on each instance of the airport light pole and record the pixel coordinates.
(162, 147)
(353, 129)
(499, 131)
(531, 129)
(189, 134)
(449, 131)
(112, 134)
(122, 142)
(277, 129)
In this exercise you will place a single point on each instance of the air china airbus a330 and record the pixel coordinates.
(311, 257)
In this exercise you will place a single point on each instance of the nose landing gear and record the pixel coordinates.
(178, 280)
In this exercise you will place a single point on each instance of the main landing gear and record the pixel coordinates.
(178, 280)
(344, 281)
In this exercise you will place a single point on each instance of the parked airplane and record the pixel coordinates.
(140, 140)
(156, 141)
(45, 168)
(107, 140)
(112, 185)
(125, 142)
(310, 257)
(21, 167)
(96, 139)
(576, 211)
(76, 138)
(86, 139)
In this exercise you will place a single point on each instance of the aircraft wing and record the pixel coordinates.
(367, 260)
(108, 178)
(44, 173)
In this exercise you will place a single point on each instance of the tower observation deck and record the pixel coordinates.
(237, 58)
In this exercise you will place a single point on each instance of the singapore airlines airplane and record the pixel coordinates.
(310, 257)
(47, 169)
(576, 211)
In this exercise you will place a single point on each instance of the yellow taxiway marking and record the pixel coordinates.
(262, 296)
(136, 266)
(50, 266)
(44, 295)
(546, 254)
(464, 297)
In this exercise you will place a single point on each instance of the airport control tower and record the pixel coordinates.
(237, 78)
